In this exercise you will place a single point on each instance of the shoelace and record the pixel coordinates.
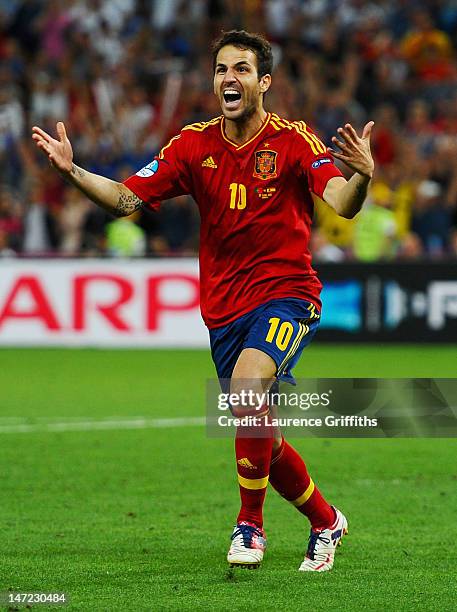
(246, 532)
(314, 538)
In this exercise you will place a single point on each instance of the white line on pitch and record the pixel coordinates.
(91, 425)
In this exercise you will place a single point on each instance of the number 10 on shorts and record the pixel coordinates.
(280, 333)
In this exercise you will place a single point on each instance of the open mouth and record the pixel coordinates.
(232, 98)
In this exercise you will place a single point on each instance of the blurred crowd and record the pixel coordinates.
(125, 75)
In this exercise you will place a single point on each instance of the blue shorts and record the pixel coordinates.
(280, 328)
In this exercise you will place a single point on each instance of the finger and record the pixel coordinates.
(61, 131)
(340, 156)
(352, 132)
(40, 142)
(367, 129)
(347, 137)
(44, 146)
(37, 138)
(42, 133)
(340, 144)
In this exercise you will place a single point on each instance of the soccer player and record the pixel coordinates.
(254, 177)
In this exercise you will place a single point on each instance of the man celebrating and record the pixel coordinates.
(254, 177)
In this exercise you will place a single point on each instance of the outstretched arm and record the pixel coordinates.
(347, 197)
(114, 197)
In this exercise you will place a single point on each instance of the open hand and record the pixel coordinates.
(59, 152)
(356, 151)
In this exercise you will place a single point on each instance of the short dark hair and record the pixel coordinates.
(246, 40)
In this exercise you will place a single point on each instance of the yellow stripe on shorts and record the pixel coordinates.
(303, 329)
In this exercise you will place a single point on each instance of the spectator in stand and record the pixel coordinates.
(431, 219)
(48, 100)
(419, 129)
(385, 139)
(411, 248)
(335, 229)
(135, 118)
(442, 167)
(12, 120)
(94, 226)
(5, 248)
(323, 250)
(177, 217)
(401, 178)
(124, 237)
(71, 220)
(53, 24)
(11, 223)
(40, 225)
(428, 50)
(376, 229)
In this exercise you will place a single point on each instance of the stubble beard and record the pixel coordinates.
(245, 114)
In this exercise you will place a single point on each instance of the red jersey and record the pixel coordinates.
(255, 206)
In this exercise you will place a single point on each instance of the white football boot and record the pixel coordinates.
(248, 546)
(322, 545)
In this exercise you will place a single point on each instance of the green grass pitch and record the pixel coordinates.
(141, 519)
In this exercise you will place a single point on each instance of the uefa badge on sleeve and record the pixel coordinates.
(149, 170)
(320, 162)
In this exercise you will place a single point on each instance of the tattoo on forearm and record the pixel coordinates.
(77, 172)
(127, 204)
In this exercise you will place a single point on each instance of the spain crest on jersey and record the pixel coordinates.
(265, 164)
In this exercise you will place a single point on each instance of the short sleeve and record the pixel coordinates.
(314, 162)
(166, 176)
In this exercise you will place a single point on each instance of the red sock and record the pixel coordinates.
(290, 478)
(253, 447)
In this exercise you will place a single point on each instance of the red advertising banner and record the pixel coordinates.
(101, 303)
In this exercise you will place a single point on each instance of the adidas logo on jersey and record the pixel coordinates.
(246, 463)
(209, 163)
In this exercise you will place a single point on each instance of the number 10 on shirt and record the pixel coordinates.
(237, 196)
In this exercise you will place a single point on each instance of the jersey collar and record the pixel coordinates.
(237, 146)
